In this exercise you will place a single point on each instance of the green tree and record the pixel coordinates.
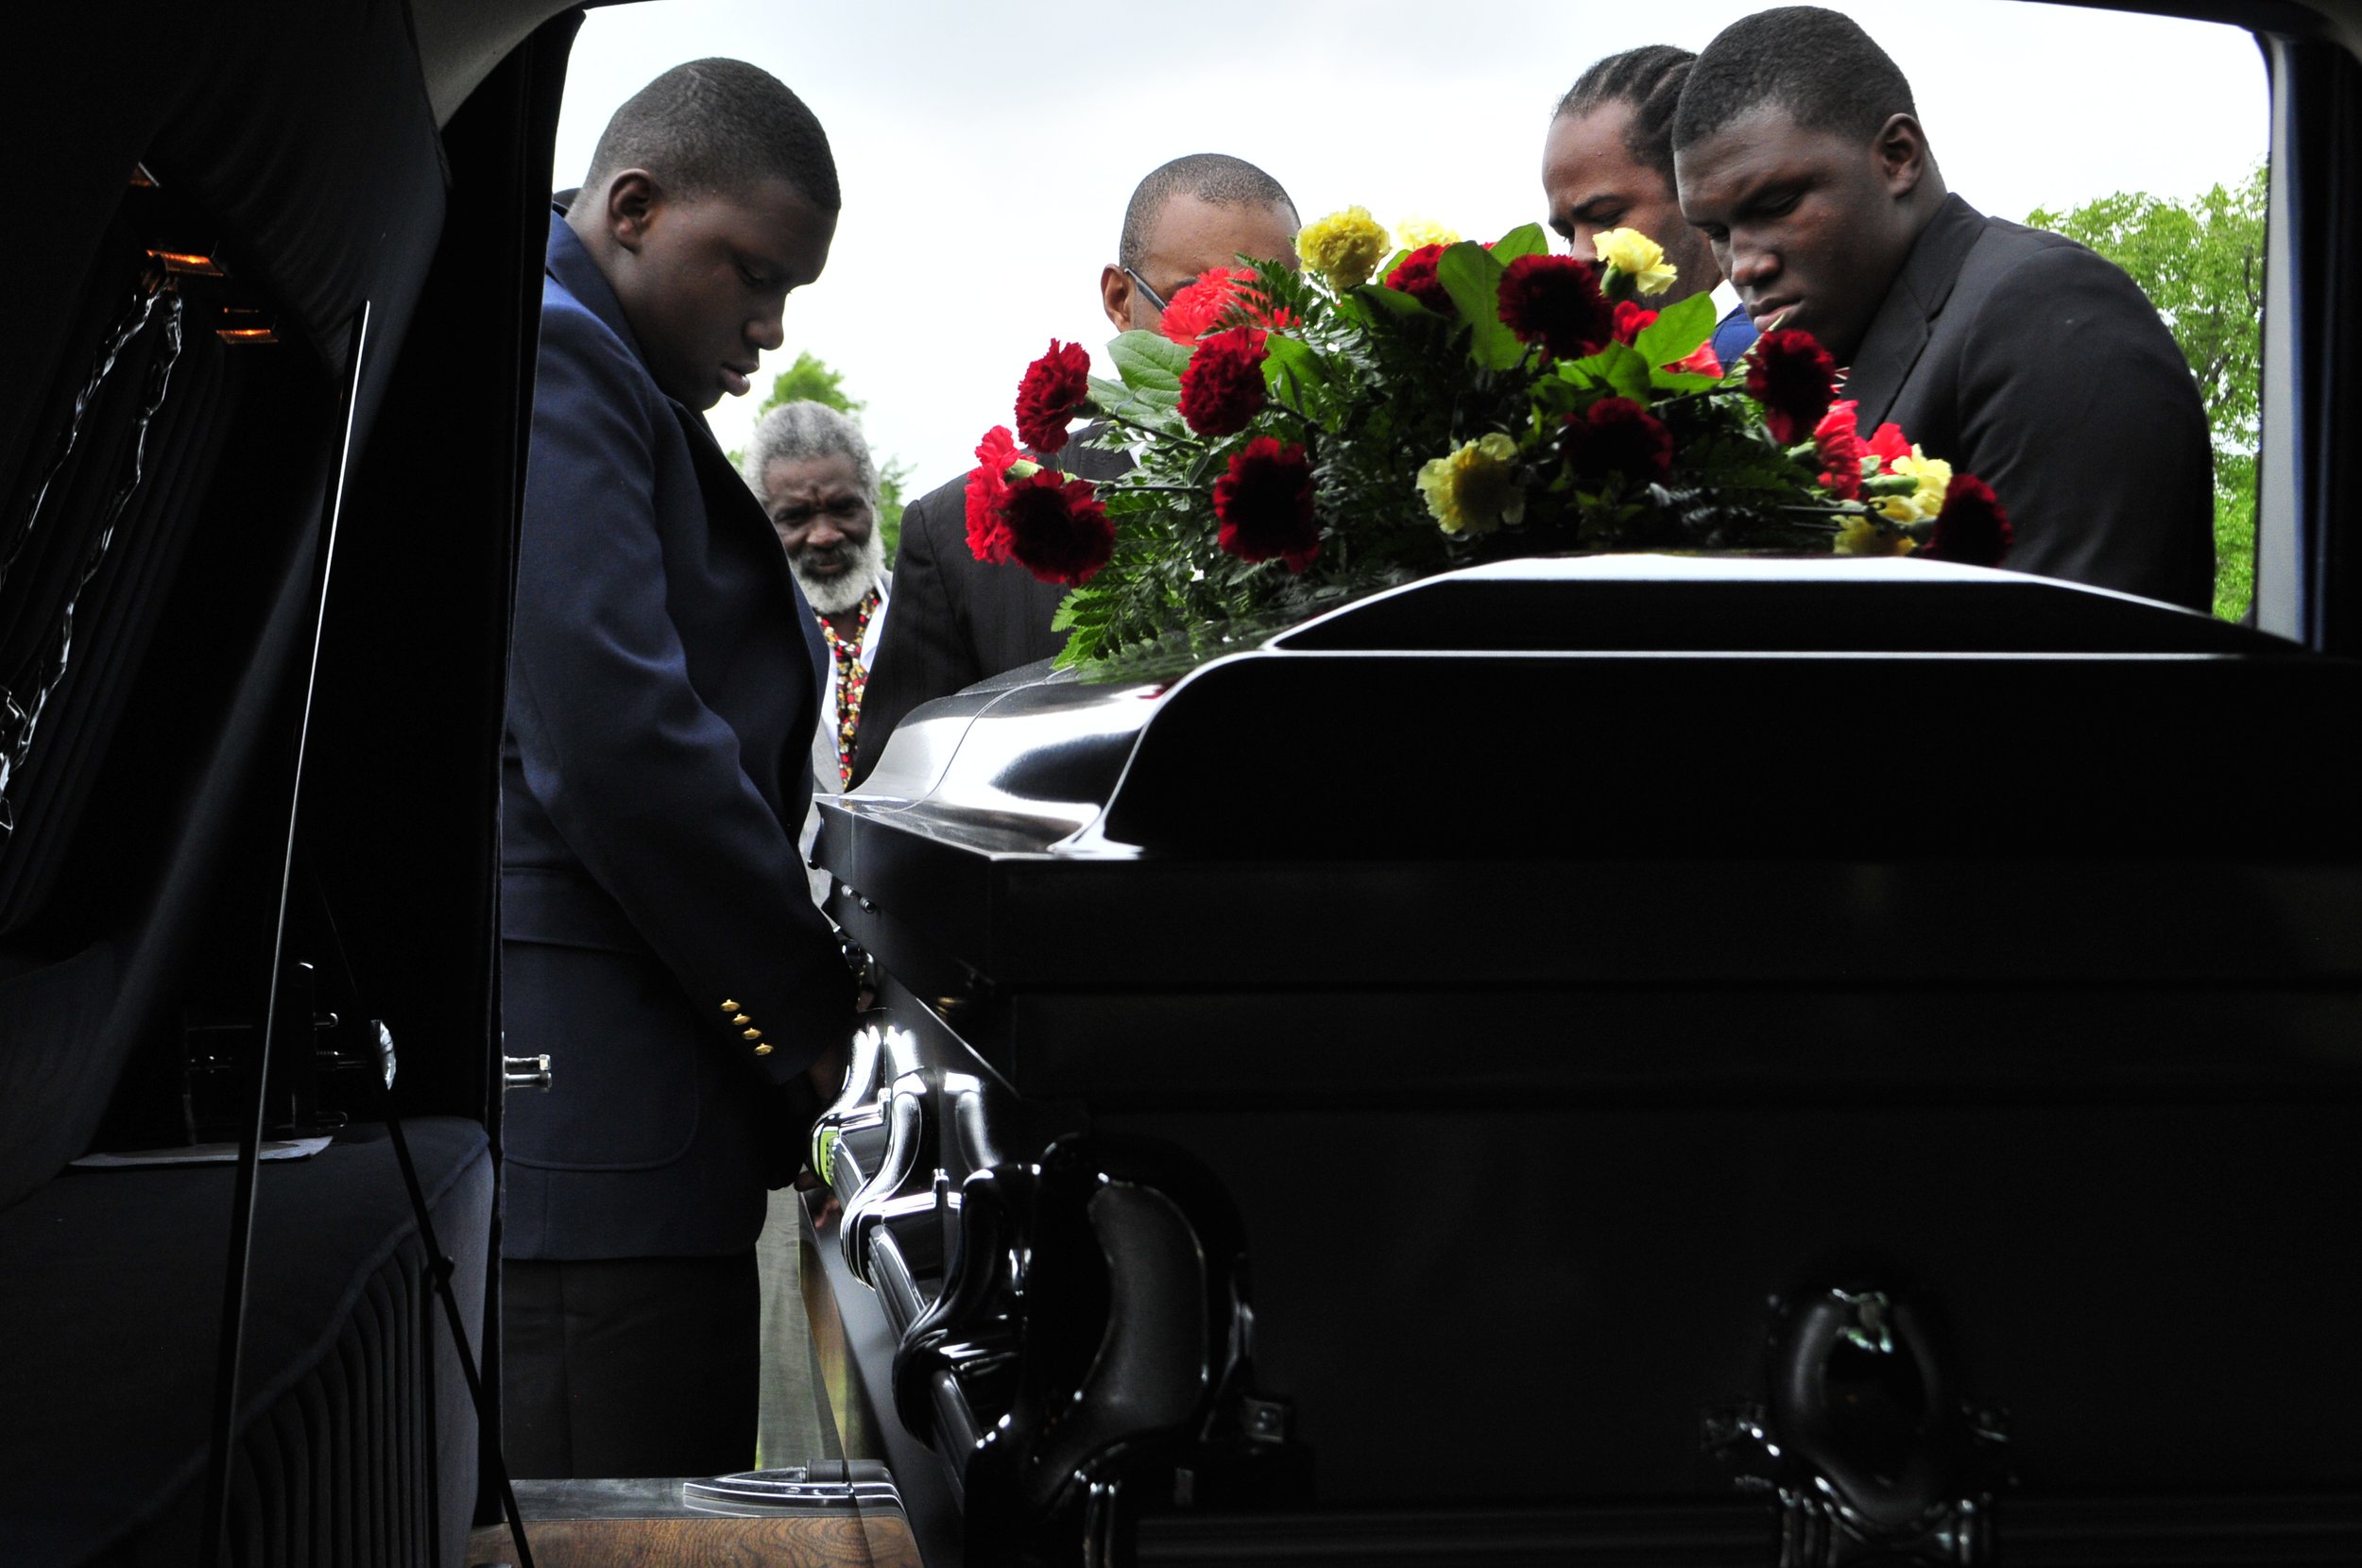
(2201, 265)
(811, 379)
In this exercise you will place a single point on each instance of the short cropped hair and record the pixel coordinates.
(801, 431)
(718, 126)
(1817, 66)
(1649, 79)
(1214, 177)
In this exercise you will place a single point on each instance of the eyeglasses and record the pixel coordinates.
(1145, 287)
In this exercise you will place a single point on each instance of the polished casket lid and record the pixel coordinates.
(1615, 767)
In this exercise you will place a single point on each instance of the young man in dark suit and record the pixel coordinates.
(2015, 355)
(957, 619)
(658, 939)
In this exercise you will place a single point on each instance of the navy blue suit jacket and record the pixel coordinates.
(658, 931)
(1733, 335)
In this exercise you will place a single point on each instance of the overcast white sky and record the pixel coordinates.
(986, 151)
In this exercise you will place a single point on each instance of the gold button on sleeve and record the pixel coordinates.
(729, 1007)
(762, 1051)
(754, 1035)
(742, 1018)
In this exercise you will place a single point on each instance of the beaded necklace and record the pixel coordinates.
(851, 681)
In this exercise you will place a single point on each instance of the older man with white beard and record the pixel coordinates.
(813, 472)
(817, 481)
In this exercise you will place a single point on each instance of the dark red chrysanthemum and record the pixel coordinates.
(1839, 451)
(1052, 386)
(988, 487)
(1415, 277)
(1794, 378)
(1220, 294)
(1555, 301)
(1972, 529)
(1631, 320)
(1221, 387)
(1057, 528)
(1265, 504)
(1616, 436)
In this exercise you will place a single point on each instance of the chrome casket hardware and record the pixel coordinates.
(1094, 1324)
(825, 1484)
(860, 1104)
(525, 1072)
(904, 1183)
(1863, 1446)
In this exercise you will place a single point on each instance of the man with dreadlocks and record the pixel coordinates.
(1608, 163)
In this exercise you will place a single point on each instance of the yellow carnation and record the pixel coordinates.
(1934, 476)
(1637, 257)
(1475, 490)
(1343, 248)
(1867, 535)
(1411, 233)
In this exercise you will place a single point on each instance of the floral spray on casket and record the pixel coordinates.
(1399, 409)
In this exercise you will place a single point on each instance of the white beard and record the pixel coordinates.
(845, 590)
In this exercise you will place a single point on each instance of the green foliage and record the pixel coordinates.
(811, 381)
(2201, 265)
(1527, 239)
(1472, 276)
(1661, 342)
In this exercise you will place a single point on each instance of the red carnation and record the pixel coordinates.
(1555, 301)
(1701, 362)
(1265, 504)
(1616, 436)
(1972, 529)
(1202, 305)
(1047, 396)
(1221, 387)
(1794, 378)
(1631, 320)
(1839, 451)
(987, 488)
(1416, 278)
(1057, 529)
(1887, 443)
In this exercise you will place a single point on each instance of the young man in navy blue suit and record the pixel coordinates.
(658, 938)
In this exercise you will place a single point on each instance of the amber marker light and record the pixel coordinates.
(190, 262)
(245, 324)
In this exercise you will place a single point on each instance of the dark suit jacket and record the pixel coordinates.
(664, 683)
(957, 619)
(2040, 368)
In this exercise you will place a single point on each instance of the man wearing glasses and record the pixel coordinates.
(957, 619)
(1193, 214)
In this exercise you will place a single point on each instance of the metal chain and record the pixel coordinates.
(19, 718)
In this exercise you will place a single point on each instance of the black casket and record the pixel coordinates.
(1631, 1058)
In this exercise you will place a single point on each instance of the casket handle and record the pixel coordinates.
(857, 1106)
(1863, 1443)
(1095, 1321)
(906, 1173)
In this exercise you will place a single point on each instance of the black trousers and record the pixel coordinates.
(642, 1366)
